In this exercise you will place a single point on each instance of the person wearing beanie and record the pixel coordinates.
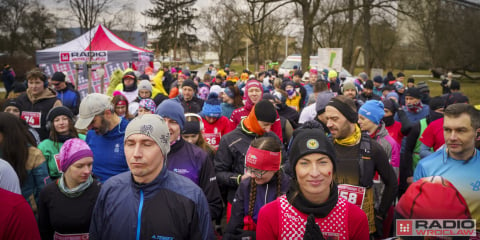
(231, 100)
(413, 145)
(66, 205)
(144, 92)
(414, 108)
(215, 125)
(146, 106)
(252, 94)
(105, 134)
(378, 85)
(333, 81)
(410, 82)
(37, 101)
(190, 102)
(66, 92)
(149, 193)
(459, 160)
(61, 128)
(230, 159)
(349, 90)
(187, 159)
(367, 92)
(424, 91)
(12, 106)
(323, 99)
(293, 97)
(8, 78)
(370, 117)
(288, 116)
(400, 90)
(400, 77)
(130, 87)
(297, 79)
(393, 127)
(313, 197)
(426, 192)
(348, 141)
(265, 183)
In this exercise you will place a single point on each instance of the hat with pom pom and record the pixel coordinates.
(211, 107)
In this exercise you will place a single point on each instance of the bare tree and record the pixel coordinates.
(87, 12)
(224, 30)
(13, 13)
(38, 29)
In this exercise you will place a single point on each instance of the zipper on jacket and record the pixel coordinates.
(139, 221)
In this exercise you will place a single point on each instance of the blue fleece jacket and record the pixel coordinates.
(108, 155)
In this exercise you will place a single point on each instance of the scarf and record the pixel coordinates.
(415, 108)
(291, 93)
(389, 121)
(76, 191)
(250, 124)
(352, 139)
(62, 138)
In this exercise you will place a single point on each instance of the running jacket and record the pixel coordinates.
(169, 207)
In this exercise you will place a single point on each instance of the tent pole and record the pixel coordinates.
(89, 69)
(77, 68)
(102, 80)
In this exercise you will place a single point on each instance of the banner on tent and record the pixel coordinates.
(90, 56)
(69, 70)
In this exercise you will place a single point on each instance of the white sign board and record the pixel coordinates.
(330, 58)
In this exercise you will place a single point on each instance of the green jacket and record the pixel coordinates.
(49, 149)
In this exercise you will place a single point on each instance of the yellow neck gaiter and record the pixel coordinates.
(352, 139)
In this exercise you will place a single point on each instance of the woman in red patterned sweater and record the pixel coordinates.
(312, 208)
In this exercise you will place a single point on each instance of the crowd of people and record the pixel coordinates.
(167, 154)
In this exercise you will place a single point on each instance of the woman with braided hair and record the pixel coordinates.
(265, 183)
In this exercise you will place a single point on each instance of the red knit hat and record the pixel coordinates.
(432, 198)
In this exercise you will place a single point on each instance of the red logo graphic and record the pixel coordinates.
(404, 227)
(65, 57)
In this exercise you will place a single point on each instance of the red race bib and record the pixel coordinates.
(353, 194)
(32, 118)
(212, 139)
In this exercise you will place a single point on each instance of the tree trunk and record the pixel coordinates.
(350, 61)
(366, 35)
(307, 36)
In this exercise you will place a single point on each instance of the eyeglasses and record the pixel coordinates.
(257, 173)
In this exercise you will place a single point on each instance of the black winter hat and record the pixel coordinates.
(368, 84)
(19, 87)
(58, 111)
(190, 83)
(378, 79)
(310, 140)
(414, 92)
(191, 127)
(265, 111)
(58, 76)
(400, 74)
(11, 102)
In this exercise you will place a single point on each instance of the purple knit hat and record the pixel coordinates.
(73, 150)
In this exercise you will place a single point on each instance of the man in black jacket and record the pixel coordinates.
(359, 158)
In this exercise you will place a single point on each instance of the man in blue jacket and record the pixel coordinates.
(105, 135)
(150, 202)
(188, 159)
(65, 92)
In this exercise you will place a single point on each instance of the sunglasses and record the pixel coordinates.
(257, 173)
